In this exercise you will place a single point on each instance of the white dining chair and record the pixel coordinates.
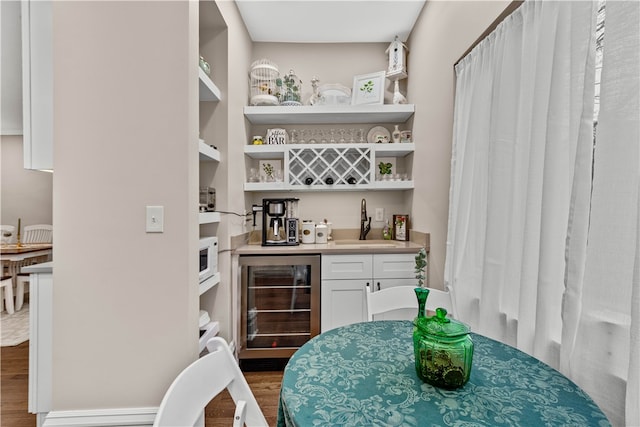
(184, 402)
(7, 234)
(403, 297)
(38, 233)
(6, 294)
(22, 288)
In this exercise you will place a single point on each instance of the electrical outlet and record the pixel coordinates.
(380, 214)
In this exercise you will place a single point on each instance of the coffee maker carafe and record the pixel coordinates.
(277, 226)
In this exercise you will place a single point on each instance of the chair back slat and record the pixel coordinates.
(404, 297)
(39, 233)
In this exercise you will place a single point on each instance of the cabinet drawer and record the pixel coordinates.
(347, 267)
(394, 266)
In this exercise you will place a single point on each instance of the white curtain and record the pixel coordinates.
(601, 342)
(524, 103)
(534, 260)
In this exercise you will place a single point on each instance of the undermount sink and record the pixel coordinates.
(366, 243)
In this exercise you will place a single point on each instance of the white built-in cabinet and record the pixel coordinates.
(350, 166)
(37, 84)
(345, 279)
(40, 339)
(209, 157)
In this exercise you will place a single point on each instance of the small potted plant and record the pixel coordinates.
(385, 168)
(421, 265)
(421, 292)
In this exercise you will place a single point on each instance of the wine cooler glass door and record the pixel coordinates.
(280, 304)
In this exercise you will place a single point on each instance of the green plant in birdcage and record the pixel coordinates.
(289, 88)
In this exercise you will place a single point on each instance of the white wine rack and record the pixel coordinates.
(329, 166)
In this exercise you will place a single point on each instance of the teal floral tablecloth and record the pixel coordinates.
(364, 375)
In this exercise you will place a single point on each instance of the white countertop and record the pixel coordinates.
(44, 267)
(334, 248)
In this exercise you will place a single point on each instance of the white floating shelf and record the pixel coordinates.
(209, 283)
(209, 217)
(208, 90)
(208, 153)
(378, 185)
(264, 186)
(327, 114)
(210, 331)
(394, 150)
(276, 151)
(393, 185)
(266, 151)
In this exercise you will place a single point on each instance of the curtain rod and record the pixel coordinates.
(506, 12)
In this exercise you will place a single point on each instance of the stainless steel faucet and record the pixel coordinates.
(364, 229)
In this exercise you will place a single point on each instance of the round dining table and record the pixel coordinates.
(364, 375)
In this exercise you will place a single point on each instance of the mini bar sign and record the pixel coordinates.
(277, 136)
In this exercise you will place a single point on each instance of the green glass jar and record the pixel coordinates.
(443, 350)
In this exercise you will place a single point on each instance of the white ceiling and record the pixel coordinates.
(329, 21)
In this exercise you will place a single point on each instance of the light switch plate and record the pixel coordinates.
(155, 219)
(379, 214)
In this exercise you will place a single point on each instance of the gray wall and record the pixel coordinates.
(25, 194)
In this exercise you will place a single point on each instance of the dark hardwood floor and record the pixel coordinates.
(14, 381)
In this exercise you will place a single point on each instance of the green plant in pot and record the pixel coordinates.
(385, 169)
(289, 89)
(442, 346)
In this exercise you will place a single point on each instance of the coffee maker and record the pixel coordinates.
(279, 222)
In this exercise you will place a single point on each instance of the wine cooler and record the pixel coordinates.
(280, 304)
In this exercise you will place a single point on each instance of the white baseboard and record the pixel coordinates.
(116, 417)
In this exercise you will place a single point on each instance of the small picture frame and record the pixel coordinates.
(368, 89)
(401, 228)
(270, 170)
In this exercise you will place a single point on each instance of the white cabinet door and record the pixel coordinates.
(394, 266)
(342, 302)
(37, 84)
(347, 266)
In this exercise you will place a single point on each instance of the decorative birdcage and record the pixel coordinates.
(289, 89)
(263, 78)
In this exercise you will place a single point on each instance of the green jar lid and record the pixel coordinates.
(441, 326)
